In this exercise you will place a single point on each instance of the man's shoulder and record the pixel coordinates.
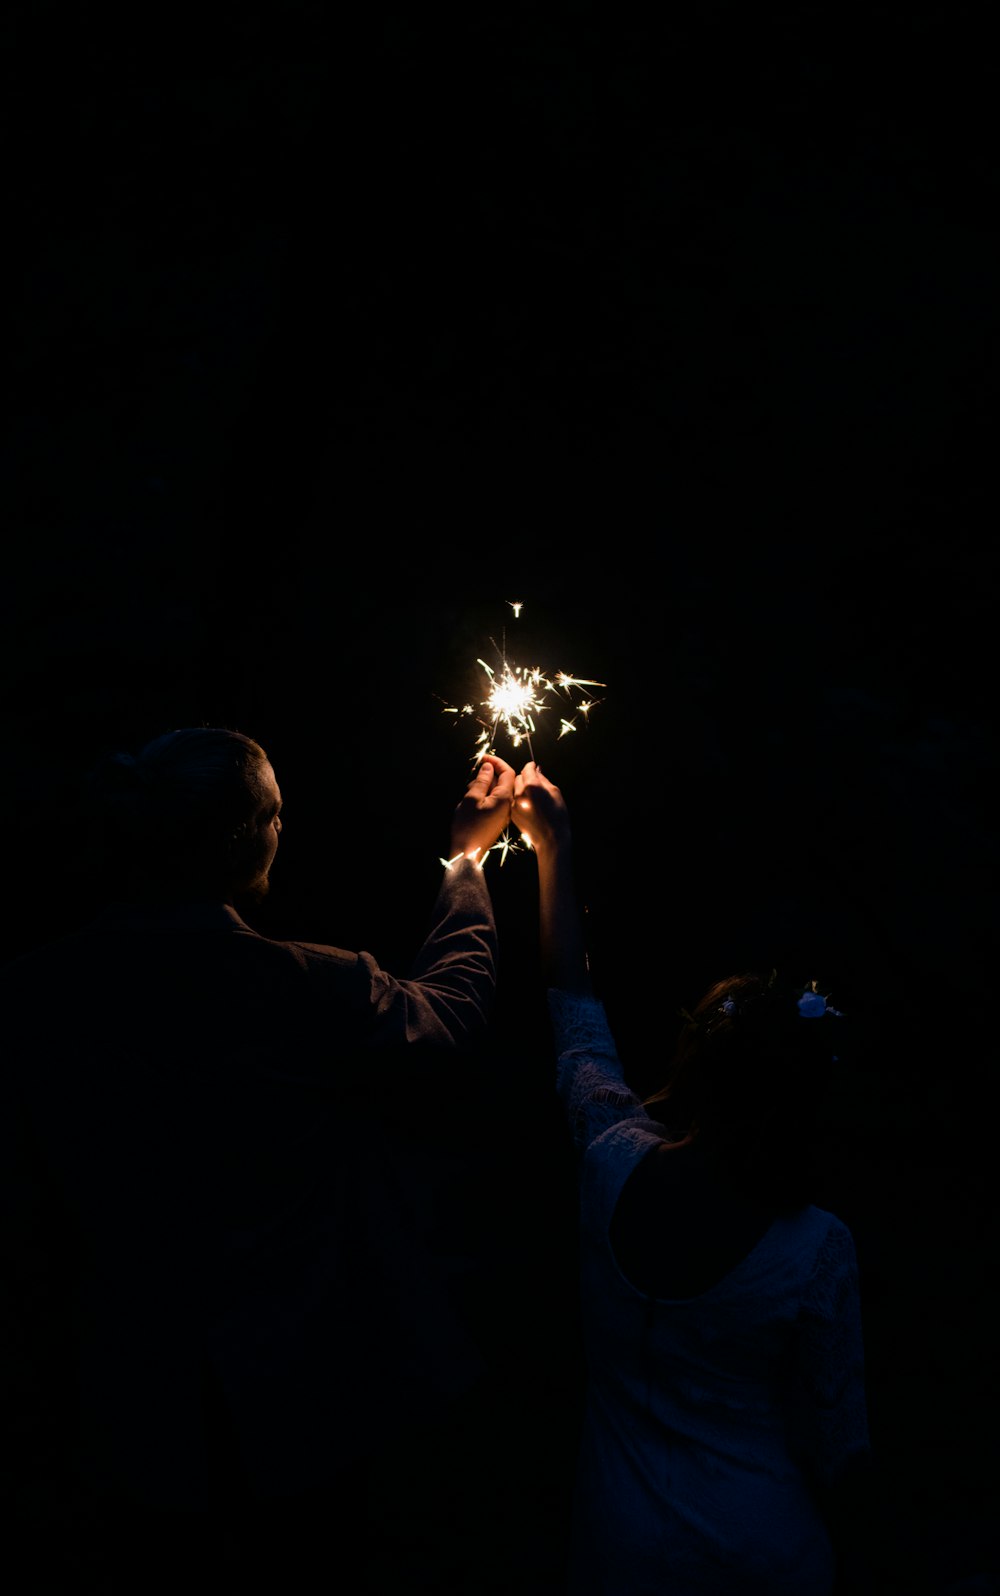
(150, 954)
(318, 955)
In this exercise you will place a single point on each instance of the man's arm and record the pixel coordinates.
(448, 997)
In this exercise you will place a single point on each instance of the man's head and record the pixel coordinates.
(195, 814)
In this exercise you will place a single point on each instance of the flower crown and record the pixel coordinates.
(811, 1003)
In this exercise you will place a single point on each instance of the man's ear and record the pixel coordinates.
(246, 850)
(241, 844)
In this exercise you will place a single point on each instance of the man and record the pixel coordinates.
(219, 1297)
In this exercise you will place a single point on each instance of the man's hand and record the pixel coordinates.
(484, 810)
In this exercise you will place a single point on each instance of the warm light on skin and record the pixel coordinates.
(525, 803)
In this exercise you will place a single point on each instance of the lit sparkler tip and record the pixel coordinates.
(515, 701)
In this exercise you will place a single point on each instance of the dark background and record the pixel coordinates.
(329, 336)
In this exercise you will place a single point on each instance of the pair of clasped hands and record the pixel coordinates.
(498, 795)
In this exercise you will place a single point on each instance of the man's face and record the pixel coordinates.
(265, 831)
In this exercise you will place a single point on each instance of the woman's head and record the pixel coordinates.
(196, 811)
(749, 1074)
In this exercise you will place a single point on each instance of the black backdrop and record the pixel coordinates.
(327, 339)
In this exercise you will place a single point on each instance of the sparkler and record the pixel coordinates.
(516, 698)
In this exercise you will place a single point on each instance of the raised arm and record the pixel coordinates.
(540, 813)
(589, 1076)
(446, 999)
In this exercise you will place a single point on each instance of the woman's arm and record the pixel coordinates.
(539, 811)
(589, 1076)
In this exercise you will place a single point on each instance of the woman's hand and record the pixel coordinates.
(539, 811)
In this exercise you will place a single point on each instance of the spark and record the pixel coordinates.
(515, 700)
(505, 844)
(563, 679)
(479, 863)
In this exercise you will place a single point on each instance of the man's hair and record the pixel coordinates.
(173, 810)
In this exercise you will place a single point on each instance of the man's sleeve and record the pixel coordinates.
(447, 999)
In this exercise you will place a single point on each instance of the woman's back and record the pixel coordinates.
(679, 1225)
(713, 1420)
(722, 1333)
(717, 1425)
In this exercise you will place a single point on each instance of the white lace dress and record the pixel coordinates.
(706, 1418)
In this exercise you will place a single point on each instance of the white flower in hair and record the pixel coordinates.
(813, 1003)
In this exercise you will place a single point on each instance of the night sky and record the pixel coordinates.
(328, 339)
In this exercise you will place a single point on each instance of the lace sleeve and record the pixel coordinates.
(830, 1361)
(589, 1078)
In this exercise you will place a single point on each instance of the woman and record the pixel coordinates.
(725, 1422)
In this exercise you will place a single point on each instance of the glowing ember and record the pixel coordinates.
(516, 700)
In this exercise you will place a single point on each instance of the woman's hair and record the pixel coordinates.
(749, 1072)
(172, 811)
